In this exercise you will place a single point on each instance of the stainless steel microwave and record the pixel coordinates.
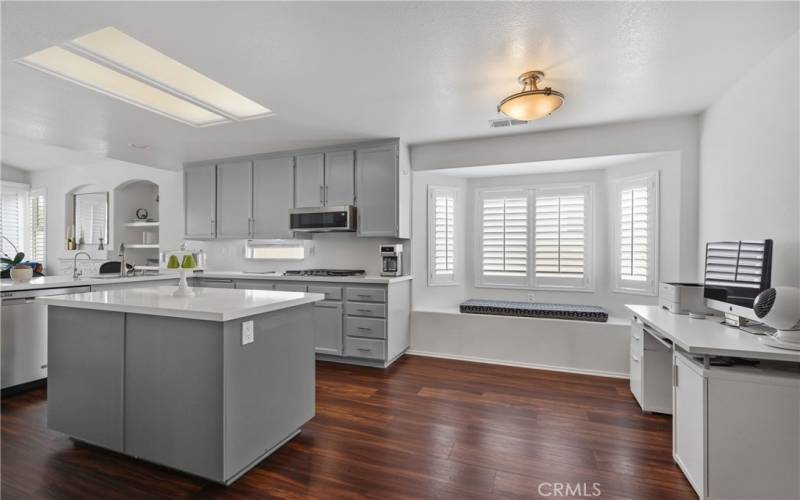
(323, 219)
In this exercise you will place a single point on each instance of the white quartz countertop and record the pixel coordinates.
(707, 337)
(210, 304)
(68, 281)
(280, 277)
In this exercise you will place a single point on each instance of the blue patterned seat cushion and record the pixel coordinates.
(535, 310)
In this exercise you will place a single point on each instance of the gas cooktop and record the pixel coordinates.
(325, 272)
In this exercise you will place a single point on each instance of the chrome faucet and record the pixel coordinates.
(123, 266)
(75, 273)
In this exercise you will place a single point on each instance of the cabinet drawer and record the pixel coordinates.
(289, 287)
(636, 377)
(637, 337)
(365, 309)
(366, 294)
(331, 292)
(364, 348)
(365, 327)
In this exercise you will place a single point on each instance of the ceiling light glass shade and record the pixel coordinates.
(72, 67)
(532, 103)
(123, 51)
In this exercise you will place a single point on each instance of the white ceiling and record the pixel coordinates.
(424, 72)
(546, 166)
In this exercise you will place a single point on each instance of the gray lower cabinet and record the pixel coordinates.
(234, 199)
(273, 196)
(361, 324)
(377, 188)
(200, 201)
(309, 180)
(328, 327)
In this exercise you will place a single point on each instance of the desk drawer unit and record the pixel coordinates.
(365, 309)
(330, 292)
(365, 327)
(366, 294)
(365, 348)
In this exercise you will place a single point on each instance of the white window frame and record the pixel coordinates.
(452, 278)
(586, 282)
(529, 282)
(489, 281)
(23, 237)
(651, 181)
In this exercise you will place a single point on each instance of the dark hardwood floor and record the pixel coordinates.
(424, 428)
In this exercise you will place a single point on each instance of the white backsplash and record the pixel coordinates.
(331, 251)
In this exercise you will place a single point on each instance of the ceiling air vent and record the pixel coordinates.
(505, 122)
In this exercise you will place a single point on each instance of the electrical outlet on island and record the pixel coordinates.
(531, 297)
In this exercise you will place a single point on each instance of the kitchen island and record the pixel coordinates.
(209, 384)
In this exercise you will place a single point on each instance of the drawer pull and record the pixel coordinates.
(363, 349)
(363, 295)
(634, 358)
(364, 329)
(364, 310)
(637, 338)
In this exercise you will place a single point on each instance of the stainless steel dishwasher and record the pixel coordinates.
(24, 334)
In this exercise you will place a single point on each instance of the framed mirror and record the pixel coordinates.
(90, 217)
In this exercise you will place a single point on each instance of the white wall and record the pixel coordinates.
(438, 296)
(107, 175)
(670, 240)
(679, 134)
(749, 162)
(14, 174)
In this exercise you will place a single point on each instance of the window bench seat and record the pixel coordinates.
(535, 310)
(567, 345)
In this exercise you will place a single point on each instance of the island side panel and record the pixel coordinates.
(85, 352)
(173, 393)
(269, 384)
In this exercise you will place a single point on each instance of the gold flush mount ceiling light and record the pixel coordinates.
(532, 102)
(116, 64)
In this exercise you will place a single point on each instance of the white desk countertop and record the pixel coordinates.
(707, 337)
(210, 304)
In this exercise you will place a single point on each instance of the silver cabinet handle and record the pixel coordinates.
(363, 295)
(326, 194)
(363, 349)
(635, 358)
(364, 329)
(637, 338)
(213, 226)
(321, 199)
(364, 310)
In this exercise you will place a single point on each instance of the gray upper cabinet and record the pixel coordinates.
(273, 183)
(309, 180)
(234, 199)
(377, 188)
(339, 178)
(200, 201)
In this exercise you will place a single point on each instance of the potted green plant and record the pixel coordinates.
(20, 273)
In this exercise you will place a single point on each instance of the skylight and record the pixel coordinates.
(111, 62)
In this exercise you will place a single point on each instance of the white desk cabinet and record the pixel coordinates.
(736, 430)
(651, 367)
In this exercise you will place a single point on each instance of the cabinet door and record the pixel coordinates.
(376, 191)
(309, 180)
(339, 178)
(273, 185)
(200, 201)
(234, 199)
(328, 327)
(688, 421)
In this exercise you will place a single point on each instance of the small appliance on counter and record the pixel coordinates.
(682, 298)
(391, 260)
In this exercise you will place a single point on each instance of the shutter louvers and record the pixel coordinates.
(38, 228)
(443, 235)
(11, 222)
(505, 237)
(634, 234)
(560, 236)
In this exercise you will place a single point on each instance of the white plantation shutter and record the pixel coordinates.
(441, 234)
(562, 242)
(636, 233)
(12, 216)
(634, 236)
(37, 227)
(504, 237)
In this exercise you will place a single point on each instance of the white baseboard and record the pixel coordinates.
(535, 366)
